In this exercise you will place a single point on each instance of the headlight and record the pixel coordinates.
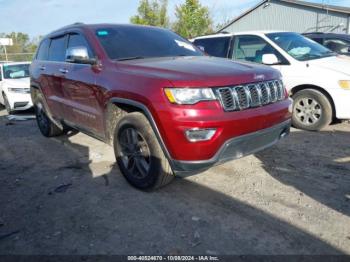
(189, 96)
(345, 84)
(19, 90)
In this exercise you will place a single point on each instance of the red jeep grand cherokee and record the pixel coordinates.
(166, 107)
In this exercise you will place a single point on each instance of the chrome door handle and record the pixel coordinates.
(63, 70)
(42, 68)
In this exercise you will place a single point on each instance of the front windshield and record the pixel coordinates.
(300, 47)
(16, 71)
(136, 42)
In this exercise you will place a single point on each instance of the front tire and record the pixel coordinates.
(311, 110)
(139, 155)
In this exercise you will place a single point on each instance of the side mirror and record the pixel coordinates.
(200, 47)
(79, 55)
(270, 59)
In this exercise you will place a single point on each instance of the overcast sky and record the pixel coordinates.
(39, 17)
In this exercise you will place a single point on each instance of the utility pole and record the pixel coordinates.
(5, 53)
(4, 42)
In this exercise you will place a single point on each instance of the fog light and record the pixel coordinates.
(196, 134)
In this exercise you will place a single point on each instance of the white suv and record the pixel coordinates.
(317, 78)
(15, 86)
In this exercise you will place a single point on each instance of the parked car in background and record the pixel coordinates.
(339, 43)
(316, 78)
(15, 86)
(165, 107)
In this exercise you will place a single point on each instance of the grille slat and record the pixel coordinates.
(251, 95)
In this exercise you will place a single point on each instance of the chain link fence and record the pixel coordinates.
(16, 57)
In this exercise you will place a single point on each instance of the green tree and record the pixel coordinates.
(193, 19)
(151, 13)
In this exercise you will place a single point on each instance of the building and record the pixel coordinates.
(291, 15)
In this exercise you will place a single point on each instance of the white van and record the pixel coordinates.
(317, 78)
(15, 86)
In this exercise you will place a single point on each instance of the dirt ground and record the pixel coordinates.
(65, 196)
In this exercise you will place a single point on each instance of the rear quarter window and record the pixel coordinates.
(214, 46)
(43, 50)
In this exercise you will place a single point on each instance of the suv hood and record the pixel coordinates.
(340, 64)
(200, 70)
(18, 83)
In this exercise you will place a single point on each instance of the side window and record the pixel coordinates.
(57, 49)
(78, 40)
(217, 46)
(43, 50)
(337, 45)
(0, 73)
(252, 48)
(318, 40)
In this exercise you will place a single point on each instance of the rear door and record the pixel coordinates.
(85, 98)
(51, 83)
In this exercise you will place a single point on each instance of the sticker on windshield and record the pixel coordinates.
(299, 51)
(102, 32)
(185, 45)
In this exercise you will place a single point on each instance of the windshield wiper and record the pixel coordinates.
(330, 52)
(130, 58)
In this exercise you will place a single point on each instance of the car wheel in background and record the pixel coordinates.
(139, 155)
(46, 126)
(311, 110)
(7, 104)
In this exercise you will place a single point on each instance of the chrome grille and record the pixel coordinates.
(255, 95)
(251, 95)
(280, 89)
(226, 98)
(265, 93)
(242, 97)
(273, 91)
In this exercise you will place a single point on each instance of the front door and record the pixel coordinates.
(252, 48)
(85, 98)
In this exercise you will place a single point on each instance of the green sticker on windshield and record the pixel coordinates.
(102, 33)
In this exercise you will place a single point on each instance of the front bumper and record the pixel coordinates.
(19, 101)
(236, 148)
(341, 100)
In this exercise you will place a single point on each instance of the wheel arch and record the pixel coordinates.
(36, 94)
(126, 105)
(298, 88)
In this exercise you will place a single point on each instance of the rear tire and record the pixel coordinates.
(139, 155)
(46, 126)
(311, 110)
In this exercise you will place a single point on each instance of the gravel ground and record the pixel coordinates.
(65, 196)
